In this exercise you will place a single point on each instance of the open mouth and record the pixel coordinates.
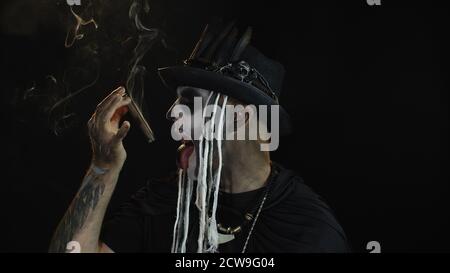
(184, 153)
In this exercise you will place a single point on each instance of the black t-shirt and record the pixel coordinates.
(293, 219)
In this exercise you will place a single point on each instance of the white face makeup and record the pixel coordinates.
(187, 158)
(196, 110)
(195, 159)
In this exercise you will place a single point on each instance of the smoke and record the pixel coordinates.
(59, 118)
(147, 37)
(75, 33)
(104, 45)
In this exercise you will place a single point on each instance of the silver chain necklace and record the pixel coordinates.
(226, 239)
(254, 221)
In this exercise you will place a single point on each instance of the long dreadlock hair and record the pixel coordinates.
(208, 181)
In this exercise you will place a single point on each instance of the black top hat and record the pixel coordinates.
(225, 63)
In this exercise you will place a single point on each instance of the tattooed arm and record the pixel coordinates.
(83, 220)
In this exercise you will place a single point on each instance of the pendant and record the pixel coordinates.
(224, 238)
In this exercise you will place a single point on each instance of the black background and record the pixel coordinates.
(364, 86)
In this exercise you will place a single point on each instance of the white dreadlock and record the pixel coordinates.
(207, 185)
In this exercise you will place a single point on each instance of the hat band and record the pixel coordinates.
(241, 71)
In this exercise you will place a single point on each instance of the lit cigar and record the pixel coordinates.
(139, 117)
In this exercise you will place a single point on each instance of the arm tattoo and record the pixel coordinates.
(84, 202)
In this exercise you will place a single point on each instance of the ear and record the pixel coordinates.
(242, 117)
(247, 115)
(246, 123)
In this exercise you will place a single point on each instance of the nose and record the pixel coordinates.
(168, 113)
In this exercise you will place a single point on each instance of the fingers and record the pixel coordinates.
(113, 108)
(98, 120)
(118, 114)
(123, 131)
(110, 98)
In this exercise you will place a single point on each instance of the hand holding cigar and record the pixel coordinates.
(107, 133)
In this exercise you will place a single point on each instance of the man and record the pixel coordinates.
(228, 195)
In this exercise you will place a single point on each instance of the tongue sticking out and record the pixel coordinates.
(184, 152)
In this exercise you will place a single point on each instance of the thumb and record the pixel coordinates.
(123, 131)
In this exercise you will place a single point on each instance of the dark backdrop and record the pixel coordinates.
(364, 87)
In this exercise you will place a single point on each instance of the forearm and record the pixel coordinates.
(83, 220)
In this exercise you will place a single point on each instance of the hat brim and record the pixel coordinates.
(175, 76)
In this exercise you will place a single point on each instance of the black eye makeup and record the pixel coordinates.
(187, 95)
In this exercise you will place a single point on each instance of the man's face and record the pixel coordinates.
(188, 115)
